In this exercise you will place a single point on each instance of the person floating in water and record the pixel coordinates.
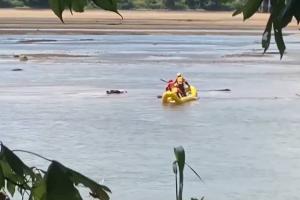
(116, 91)
(180, 83)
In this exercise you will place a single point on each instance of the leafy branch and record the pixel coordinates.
(282, 13)
(35, 154)
(58, 6)
(57, 183)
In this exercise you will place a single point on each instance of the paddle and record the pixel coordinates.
(219, 90)
(163, 80)
(216, 90)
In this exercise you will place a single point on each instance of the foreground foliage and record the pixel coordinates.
(57, 183)
(58, 6)
(282, 13)
(178, 168)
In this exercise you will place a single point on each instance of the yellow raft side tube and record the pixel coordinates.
(172, 98)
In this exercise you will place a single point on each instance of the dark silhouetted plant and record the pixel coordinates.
(57, 183)
(58, 6)
(282, 13)
(178, 168)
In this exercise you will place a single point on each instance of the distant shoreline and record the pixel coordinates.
(29, 21)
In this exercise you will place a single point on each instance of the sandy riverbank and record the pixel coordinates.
(25, 21)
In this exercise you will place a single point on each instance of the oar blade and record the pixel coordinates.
(163, 80)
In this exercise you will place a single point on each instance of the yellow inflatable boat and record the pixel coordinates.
(172, 98)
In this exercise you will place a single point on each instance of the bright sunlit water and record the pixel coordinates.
(244, 144)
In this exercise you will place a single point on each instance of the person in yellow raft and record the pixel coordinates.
(180, 83)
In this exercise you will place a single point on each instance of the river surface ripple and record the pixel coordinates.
(244, 144)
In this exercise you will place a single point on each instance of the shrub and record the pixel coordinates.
(11, 3)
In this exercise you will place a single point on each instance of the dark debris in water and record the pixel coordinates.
(248, 55)
(47, 55)
(17, 70)
(116, 91)
(36, 41)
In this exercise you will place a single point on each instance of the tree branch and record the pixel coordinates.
(32, 153)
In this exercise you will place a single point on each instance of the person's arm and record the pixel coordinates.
(187, 83)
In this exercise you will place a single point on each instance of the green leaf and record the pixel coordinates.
(250, 8)
(14, 161)
(38, 191)
(6, 169)
(291, 9)
(286, 15)
(78, 178)
(58, 184)
(38, 177)
(11, 188)
(99, 194)
(266, 39)
(180, 157)
(175, 167)
(278, 7)
(110, 5)
(78, 5)
(11, 177)
(15, 179)
(2, 179)
(297, 11)
(97, 190)
(68, 4)
(279, 40)
(58, 7)
(237, 12)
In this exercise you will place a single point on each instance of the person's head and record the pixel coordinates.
(179, 74)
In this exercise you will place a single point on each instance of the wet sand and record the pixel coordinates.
(26, 21)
